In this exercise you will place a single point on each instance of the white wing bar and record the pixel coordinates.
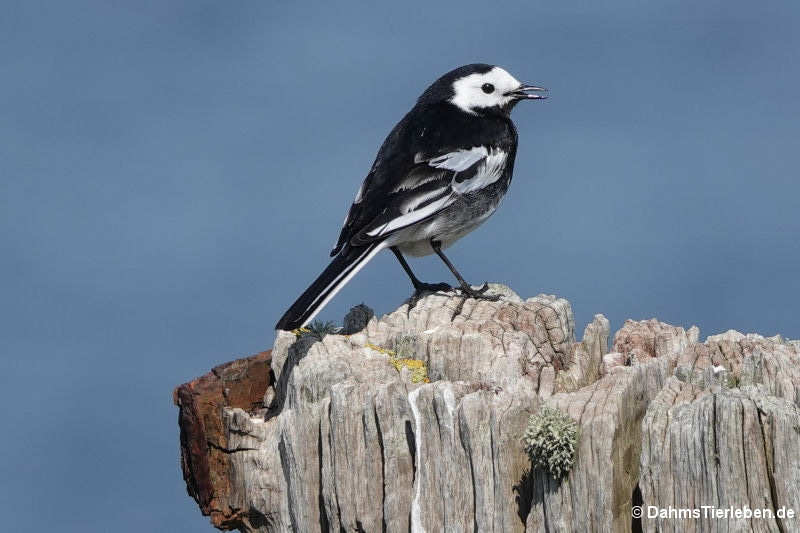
(460, 160)
(491, 170)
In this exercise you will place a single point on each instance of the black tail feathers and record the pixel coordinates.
(343, 267)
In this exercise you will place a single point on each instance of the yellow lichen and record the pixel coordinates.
(299, 331)
(384, 351)
(418, 368)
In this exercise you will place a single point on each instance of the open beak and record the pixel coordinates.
(527, 92)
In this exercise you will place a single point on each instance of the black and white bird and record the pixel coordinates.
(439, 174)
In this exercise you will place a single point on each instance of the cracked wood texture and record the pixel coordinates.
(205, 451)
(335, 438)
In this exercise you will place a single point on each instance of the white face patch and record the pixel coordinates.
(469, 94)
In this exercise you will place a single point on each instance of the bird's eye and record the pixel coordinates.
(488, 88)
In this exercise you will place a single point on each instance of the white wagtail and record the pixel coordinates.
(439, 174)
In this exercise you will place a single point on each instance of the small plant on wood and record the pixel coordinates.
(550, 440)
(317, 329)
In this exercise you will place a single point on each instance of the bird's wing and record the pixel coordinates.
(433, 184)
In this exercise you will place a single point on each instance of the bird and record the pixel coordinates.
(439, 174)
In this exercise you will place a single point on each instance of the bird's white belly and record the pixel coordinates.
(416, 240)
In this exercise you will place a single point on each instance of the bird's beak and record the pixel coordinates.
(524, 92)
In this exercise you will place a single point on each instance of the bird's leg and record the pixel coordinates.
(419, 286)
(465, 287)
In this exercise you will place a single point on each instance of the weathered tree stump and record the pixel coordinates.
(339, 434)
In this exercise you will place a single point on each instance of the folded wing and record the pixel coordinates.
(432, 185)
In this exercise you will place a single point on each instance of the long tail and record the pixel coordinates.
(343, 267)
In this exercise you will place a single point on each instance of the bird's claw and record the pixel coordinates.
(422, 288)
(479, 293)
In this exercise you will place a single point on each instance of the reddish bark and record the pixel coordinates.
(240, 383)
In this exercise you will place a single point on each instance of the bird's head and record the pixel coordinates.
(481, 89)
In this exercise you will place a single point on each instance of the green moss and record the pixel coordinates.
(550, 440)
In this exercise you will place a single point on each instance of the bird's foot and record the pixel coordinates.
(479, 293)
(422, 287)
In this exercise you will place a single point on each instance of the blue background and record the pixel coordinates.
(173, 175)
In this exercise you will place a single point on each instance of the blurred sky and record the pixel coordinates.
(173, 175)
